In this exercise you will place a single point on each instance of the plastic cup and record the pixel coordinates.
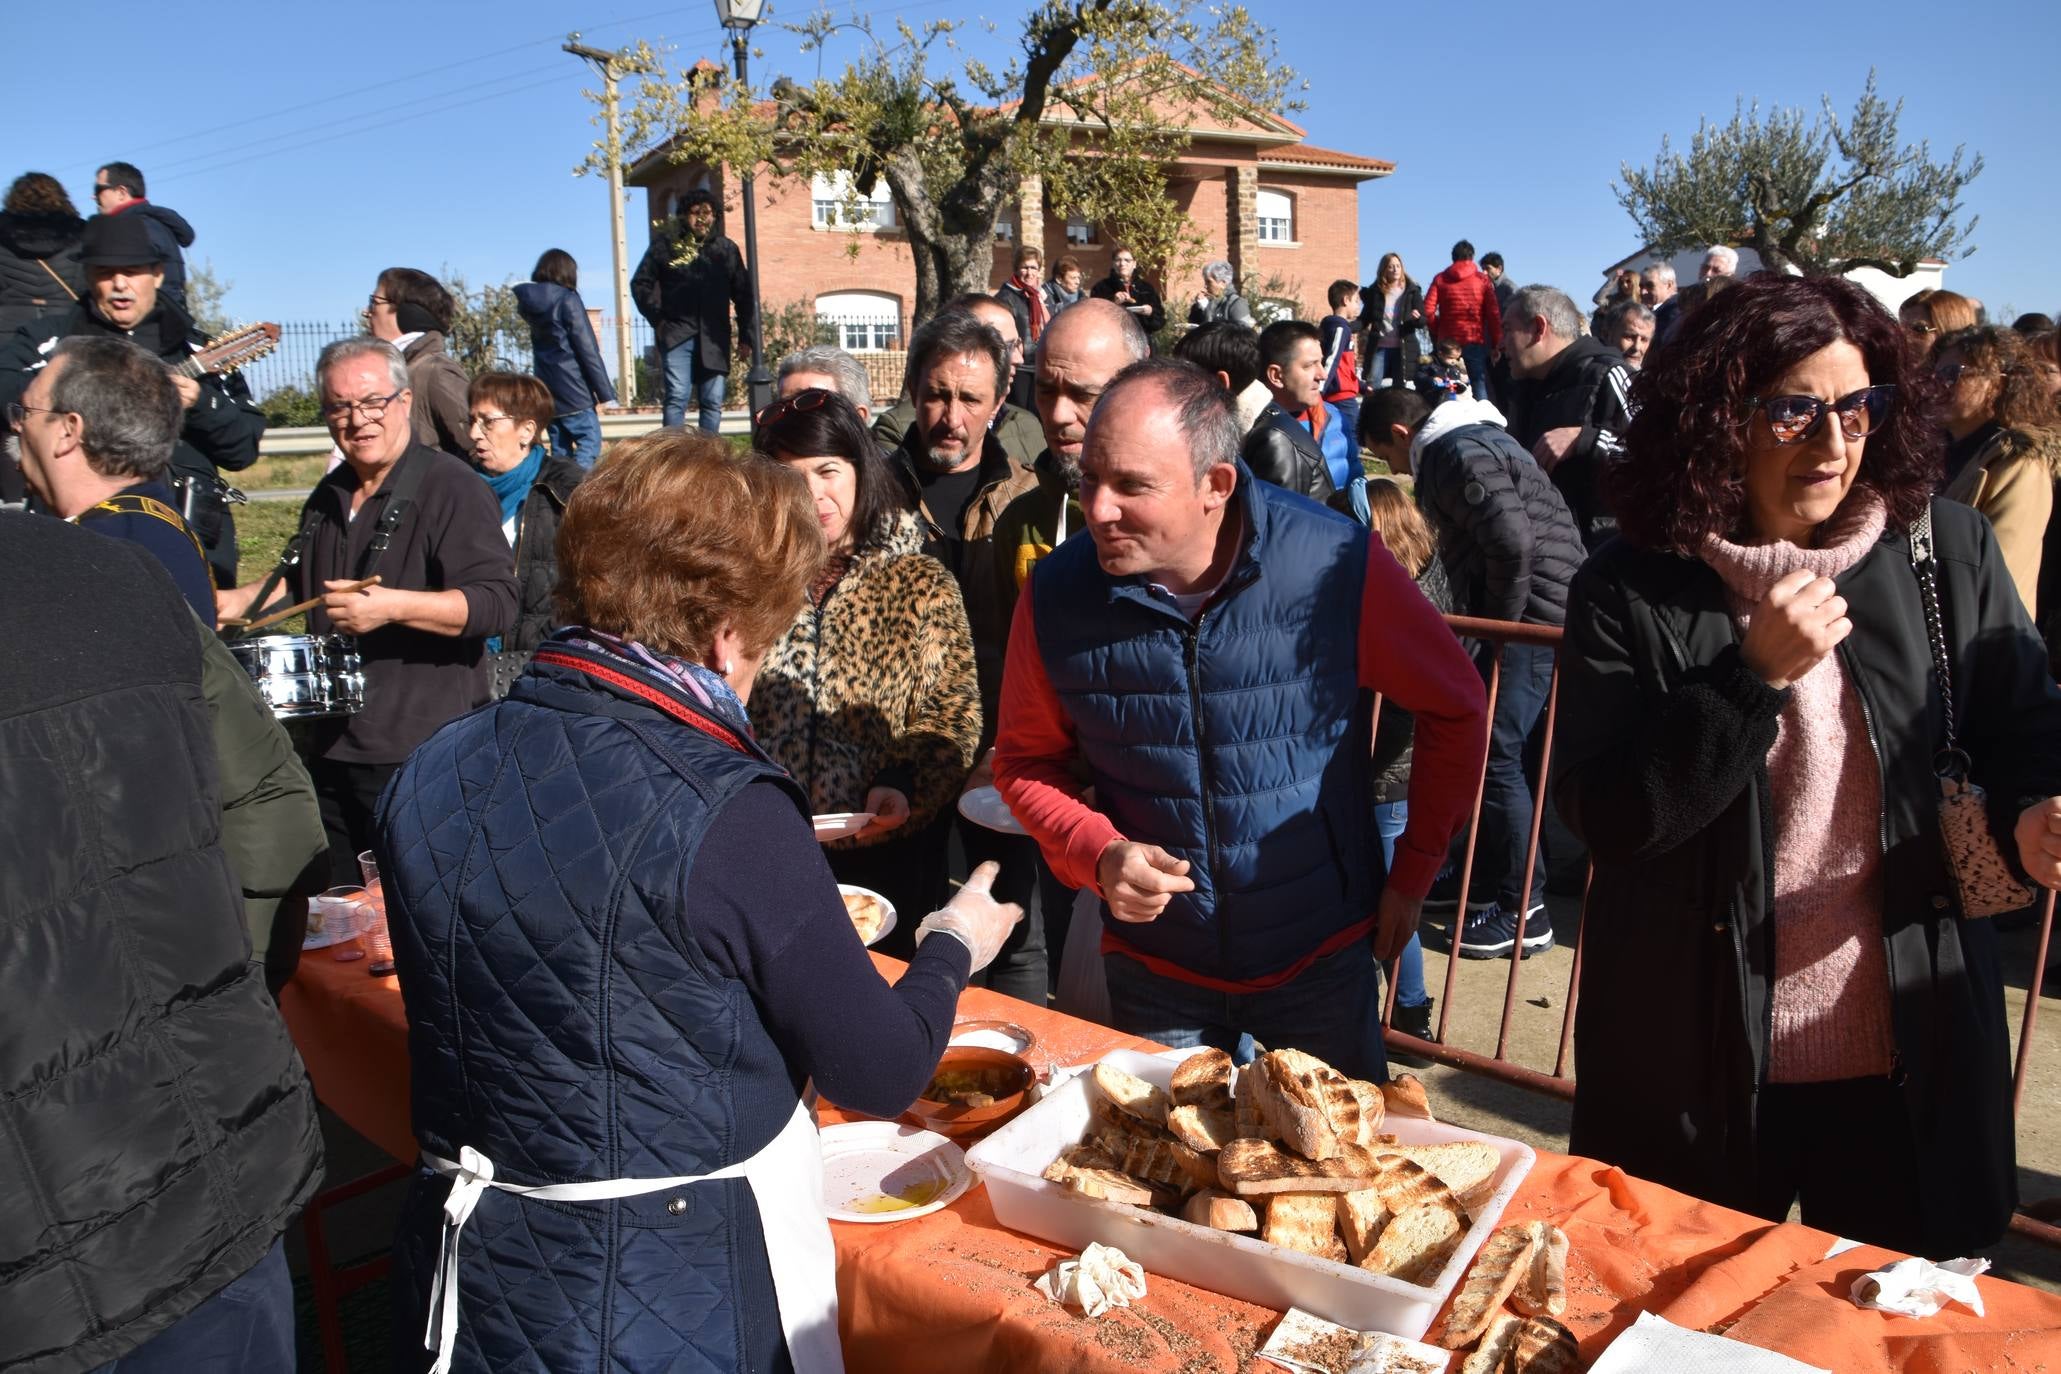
(378, 943)
(368, 868)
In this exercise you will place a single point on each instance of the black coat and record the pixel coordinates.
(1504, 534)
(1410, 303)
(1279, 450)
(536, 551)
(693, 299)
(32, 248)
(162, 1134)
(1142, 293)
(1584, 389)
(563, 353)
(1660, 765)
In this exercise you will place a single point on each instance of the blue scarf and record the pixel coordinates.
(513, 485)
(705, 685)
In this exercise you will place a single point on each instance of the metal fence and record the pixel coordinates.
(1559, 1082)
(292, 362)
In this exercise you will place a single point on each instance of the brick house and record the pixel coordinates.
(1284, 213)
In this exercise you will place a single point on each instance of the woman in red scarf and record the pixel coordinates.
(1026, 301)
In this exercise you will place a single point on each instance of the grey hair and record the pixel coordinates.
(125, 401)
(335, 355)
(948, 334)
(1551, 303)
(1219, 271)
(1616, 315)
(1202, 408)
(831, 361)
(1663, 271)
(1725, 254)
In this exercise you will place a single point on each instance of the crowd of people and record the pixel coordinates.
(1141, 592)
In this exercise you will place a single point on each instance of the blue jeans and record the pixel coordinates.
(1390, 820)
(247, 1325)
(1385, 368)
(577, 436)
(1477, 356)
(708, 393)
(1506, 795)
(1349, 418)
(1323, 1012)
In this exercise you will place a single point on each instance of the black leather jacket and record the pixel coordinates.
(1279, 450)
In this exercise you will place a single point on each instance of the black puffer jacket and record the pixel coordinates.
(28, 291)
(1584, 389)
(1660, 765)
(563, 353)
(1279, 450)
(162, 1134)
(536, 551)
(1504, 534)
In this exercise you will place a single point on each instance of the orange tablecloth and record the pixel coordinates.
(951, 1292)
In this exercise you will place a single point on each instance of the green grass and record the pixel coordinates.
(262, 529)
(272, 474)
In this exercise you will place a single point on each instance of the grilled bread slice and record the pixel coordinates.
(1311, 1104)
(1114, 1186)
(1307, 1222)
(1202, 1080)
(1504, 1261)
(1544, 1346)
(1415, 1245)
(1404, 1184)
(1255, 1168)
(1247, 1119)
(1207, 1129)
(1495, 1347)
(1084, 1155)
(1131, 1094)
(1468, 1167)
(1543, 1293)
(1214, 1208)
(1405, 1096)
(1361, 1216)
(1157, 1159)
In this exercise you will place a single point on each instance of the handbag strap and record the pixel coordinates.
(62, 284)
(1923, 564)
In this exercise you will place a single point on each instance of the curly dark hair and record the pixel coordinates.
(1683, 473)
(39, 193)
(2021, 400)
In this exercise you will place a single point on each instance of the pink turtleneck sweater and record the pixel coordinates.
(1831, 993)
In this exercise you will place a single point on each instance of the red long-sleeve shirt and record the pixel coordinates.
(1406, 653)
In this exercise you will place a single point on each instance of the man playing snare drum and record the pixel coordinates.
(430, 530)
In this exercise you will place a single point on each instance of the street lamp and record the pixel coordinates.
(739, 16)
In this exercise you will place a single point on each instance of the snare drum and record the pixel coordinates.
(304, 675)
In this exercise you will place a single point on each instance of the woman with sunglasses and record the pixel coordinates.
(2004, 454)
(869, 697)
(1781, 1000)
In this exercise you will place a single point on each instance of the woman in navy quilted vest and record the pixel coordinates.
(623, 955)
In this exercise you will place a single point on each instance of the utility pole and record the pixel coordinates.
(612, 65)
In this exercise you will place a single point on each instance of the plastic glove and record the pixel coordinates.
(975, 918)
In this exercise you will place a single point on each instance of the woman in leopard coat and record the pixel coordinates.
(869, 698)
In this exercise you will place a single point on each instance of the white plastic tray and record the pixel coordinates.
(1012, 1160)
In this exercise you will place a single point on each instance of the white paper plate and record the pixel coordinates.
(886, 905)
(867, 1162)
(838, 824)
(984, 806)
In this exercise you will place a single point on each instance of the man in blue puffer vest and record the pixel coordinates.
(1206, 660)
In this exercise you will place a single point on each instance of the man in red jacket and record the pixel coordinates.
(1461, 305)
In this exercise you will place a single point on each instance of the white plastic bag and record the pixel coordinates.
(1083, 990)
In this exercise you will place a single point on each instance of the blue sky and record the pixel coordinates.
(313, 145)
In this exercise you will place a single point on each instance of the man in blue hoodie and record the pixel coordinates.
(118, 190)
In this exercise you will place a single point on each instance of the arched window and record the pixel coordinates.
(864, 321)
(831, 205)
(1276, 211)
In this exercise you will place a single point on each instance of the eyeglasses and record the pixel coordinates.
(1922, 328)
(371, 408)
(1794, 419)
(18, 414)
(99, 190)
(487, 421)
(803, 401)
(376, 299)
(1950, 373)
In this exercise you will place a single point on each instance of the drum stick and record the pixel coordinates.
(246, 626)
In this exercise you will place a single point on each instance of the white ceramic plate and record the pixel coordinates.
(984, 806)
(870, 1168)
(885, 904)
(838, 824)
(987, 1034)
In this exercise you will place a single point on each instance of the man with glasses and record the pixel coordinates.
(430, 530)
(1567, 401)
(118, 190)
(220, 425)
(688, 283)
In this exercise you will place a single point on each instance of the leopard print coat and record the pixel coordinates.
(874, 685)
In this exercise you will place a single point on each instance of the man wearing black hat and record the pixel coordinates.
(222, 425)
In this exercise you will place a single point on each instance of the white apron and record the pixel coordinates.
(786, 1180)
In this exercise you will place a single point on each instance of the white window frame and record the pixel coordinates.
(1274, 212)
(1079, 233)
(831, 205)
(864, 321)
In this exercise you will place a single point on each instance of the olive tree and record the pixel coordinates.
(1094, 104)
(1820, 197)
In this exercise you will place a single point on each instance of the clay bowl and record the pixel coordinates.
(1009, 1078)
